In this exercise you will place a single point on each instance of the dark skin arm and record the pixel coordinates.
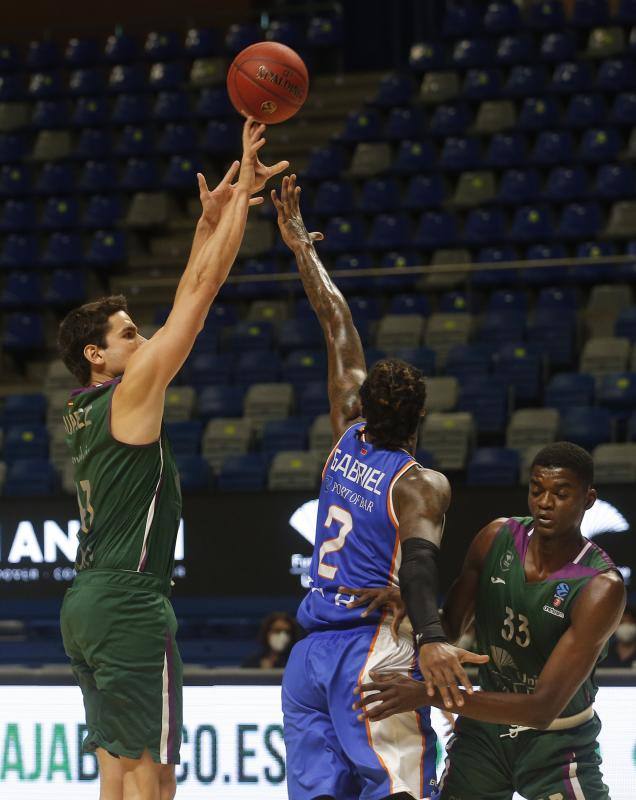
(345, 356)
(595, 617)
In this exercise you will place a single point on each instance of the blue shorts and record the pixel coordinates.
(329, 752)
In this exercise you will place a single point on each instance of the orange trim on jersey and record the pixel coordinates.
(335, 447)
(420, 726)
(389, 494)
(367, 724)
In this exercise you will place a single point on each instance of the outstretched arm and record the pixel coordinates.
(346, 365)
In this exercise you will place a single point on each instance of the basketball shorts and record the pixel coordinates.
(329, 751)
(119, 631)
(486, 761)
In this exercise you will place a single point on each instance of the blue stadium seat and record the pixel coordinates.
(194, 473)
(526, 80)
(42, 54)
(284, 434)
(495, 277)
(493, 466)
(450, 119)
(333, 197)
(30, 477)
(600, 144)
(465, 361)
(171, 106)
(484, 226)
(302, 367)
(185, 437)
(209, 369)
(404, 123)
(89, 81)
(21, 290)
(378, 195)
(23, 332)
(45, 84)
(364, 308)
(168, 75)
(343, 234)
(395, 89)
(520, 365)
(531, 223)
(221, 315)
(325, 162)
(538, 113)
(410, 304)
(50, 114)
(213, 102)
(518, 48)
(589, 13)
(487, 399)
(501, 326)
(177, 138)
(389, 231)
(631, 428)
(471, 53)
(162, 46)
(238, 37)
(56, 177)
(616, 75)
(258, 266)
(12, 87)
(426, 459)
(558, 298)
(97, 176)
(553, 147)
(13, 147)
(569, 389)
(286, 32)
(106, 249)
(219, 137)
(414, 157)
(571, 76)
(25, 441)
(455, 302)
(545, 275)
(617, 391)
(17, 215)
(424, 191)
(553, 328)
(482, 84)
(519, 186)
(9, 58)
(557, 46)
(626, 12)
(23, 409)
(304, 334)
(362, 126)
(325, 31)
(502, 17)
(624, 109)
(243, 473)
(587, 426)
(60, 213)
(181, 173)
(436, 229)
(62, 250)
(251, 335)
(66, 289)
(257, 366)
(127, 79)
(220, 400)
(425, 56)
(15, 180)
(460, 19)
(508, 300)
(102, 211)
(130, 109)
(19, 251)
(313, 400)
(201, 43)
(591, 273)
(93, 143)
(579, 220)
(140, 174)
(81, 52)
(460, 153)
(585, 111)
(507, 150)
(90, 112)
(626, 323)
(120, 48)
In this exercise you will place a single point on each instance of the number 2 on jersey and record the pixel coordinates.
(345, 520)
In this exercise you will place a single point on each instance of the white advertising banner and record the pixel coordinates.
(232, 747)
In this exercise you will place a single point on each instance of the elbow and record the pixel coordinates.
(544, 711)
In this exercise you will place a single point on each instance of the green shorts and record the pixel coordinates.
(485, 762)
(119, 631)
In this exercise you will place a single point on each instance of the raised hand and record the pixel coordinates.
(290, 221)
(253, 174)
(214, 201)
(441, 667)
(392, 694)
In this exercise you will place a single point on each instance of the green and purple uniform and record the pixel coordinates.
(118, 625)
(518, 624)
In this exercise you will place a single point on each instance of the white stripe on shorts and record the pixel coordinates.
(165, 713)
(574, 782)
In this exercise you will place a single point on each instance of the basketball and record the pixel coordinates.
(268, 81)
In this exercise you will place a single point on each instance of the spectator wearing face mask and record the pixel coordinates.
(622, 649)
(278, 634)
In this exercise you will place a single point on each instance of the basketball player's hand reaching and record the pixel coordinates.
(441, 668)
(388, 599)
(290, 220)
(253, 174)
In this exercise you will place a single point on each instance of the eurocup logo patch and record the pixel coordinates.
(560, 593)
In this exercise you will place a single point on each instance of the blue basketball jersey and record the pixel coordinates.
(357, 543)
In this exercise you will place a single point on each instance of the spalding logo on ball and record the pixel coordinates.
(268, 81)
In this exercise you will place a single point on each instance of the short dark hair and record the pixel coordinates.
(393, 397)
(87, 324)
(270, 619)
(567, 455)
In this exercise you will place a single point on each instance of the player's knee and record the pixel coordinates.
(167, 784)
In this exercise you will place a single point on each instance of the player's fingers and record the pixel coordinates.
(376, 602)
(203, 186)
(474, 658)
(277, 168)
(256, 131)
(277, 204)
(256, 201)
(230, 174)
(463, 679)
(444, 694)
(372, 686)
(454, 689)
(383, 677)
(349, 590)
(257, 146)
(429, 681)
(316, 236)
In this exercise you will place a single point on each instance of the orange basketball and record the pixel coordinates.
(268, 81)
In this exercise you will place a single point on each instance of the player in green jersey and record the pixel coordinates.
(118, 625)
(544, 601)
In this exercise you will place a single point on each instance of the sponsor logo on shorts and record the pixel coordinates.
(555, 612)
(497, 580)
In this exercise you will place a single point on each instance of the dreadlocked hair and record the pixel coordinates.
(393, 397)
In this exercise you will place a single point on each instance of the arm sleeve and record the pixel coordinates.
(419, 586)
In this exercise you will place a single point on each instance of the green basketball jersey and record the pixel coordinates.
(129, 495)
(518, 624)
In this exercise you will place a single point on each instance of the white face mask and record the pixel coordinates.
(279, 641)
(626, 632)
